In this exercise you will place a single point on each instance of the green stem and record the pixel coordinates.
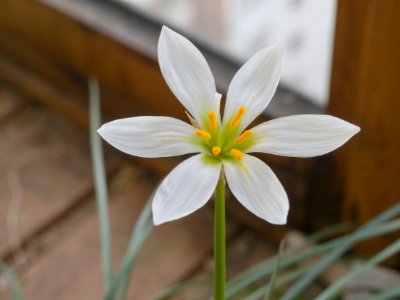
(219, 241)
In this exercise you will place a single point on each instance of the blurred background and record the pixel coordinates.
(341, 58)
(238, 28)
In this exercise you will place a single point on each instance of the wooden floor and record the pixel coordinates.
(49, 225)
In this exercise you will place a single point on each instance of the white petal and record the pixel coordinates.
(254, 85)
(187, 74)
(302, 135)
(187, 188)
(150, 136)
(254, 184)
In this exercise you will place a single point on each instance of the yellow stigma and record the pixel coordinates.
(213, 120)
(204, 134)
(237, 153)
(240, 139)
(239, 115)
(216, 150)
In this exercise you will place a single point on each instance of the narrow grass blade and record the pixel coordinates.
(270, 291)
(180, 287)
(256, 273)
(143, 227)
(263, 269)
(12, 279)
(100, 182)
(335, 288)
(342, 246)
(240, 280)
(330, 232)
(388, 295)
(142, 230)
(285, 278)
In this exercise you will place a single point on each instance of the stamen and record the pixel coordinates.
(216, 150)
(239, 115)
(237, 153)
(240, 139)
(213, 120)
(204, 134)
(192, 120)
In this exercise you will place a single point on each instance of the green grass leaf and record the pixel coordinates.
(271, 288)
(100, 182)
(180, 287)
(12, 279)
(335, 288)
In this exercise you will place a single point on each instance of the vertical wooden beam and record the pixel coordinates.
(366, 91)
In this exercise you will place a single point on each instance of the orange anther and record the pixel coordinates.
(239, 115)
(237, 153)
(213, 120)
(244, 136)
(216, 150)
(204, 134)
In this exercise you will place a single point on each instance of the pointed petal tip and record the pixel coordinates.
(356, 129)
(167, 32)
(278, 49)
(101, 130)
(104, 130)
(281, 220)
(351, 129)
(156, 221)
(159, 218)
(275, 50)
(165, 29)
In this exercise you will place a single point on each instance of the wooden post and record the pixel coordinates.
(365, 90)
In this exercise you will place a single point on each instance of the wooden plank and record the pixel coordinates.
(12, 45)
(365, 91)
(44, 170)
(26, 82)
(72, 268)
(117, 65)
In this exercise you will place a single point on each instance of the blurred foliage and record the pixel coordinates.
(292, 281)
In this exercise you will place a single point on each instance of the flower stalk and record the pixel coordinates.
(219, 240)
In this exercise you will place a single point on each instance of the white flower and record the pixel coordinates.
(222, 144)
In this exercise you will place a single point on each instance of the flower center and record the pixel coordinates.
(224, 142)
